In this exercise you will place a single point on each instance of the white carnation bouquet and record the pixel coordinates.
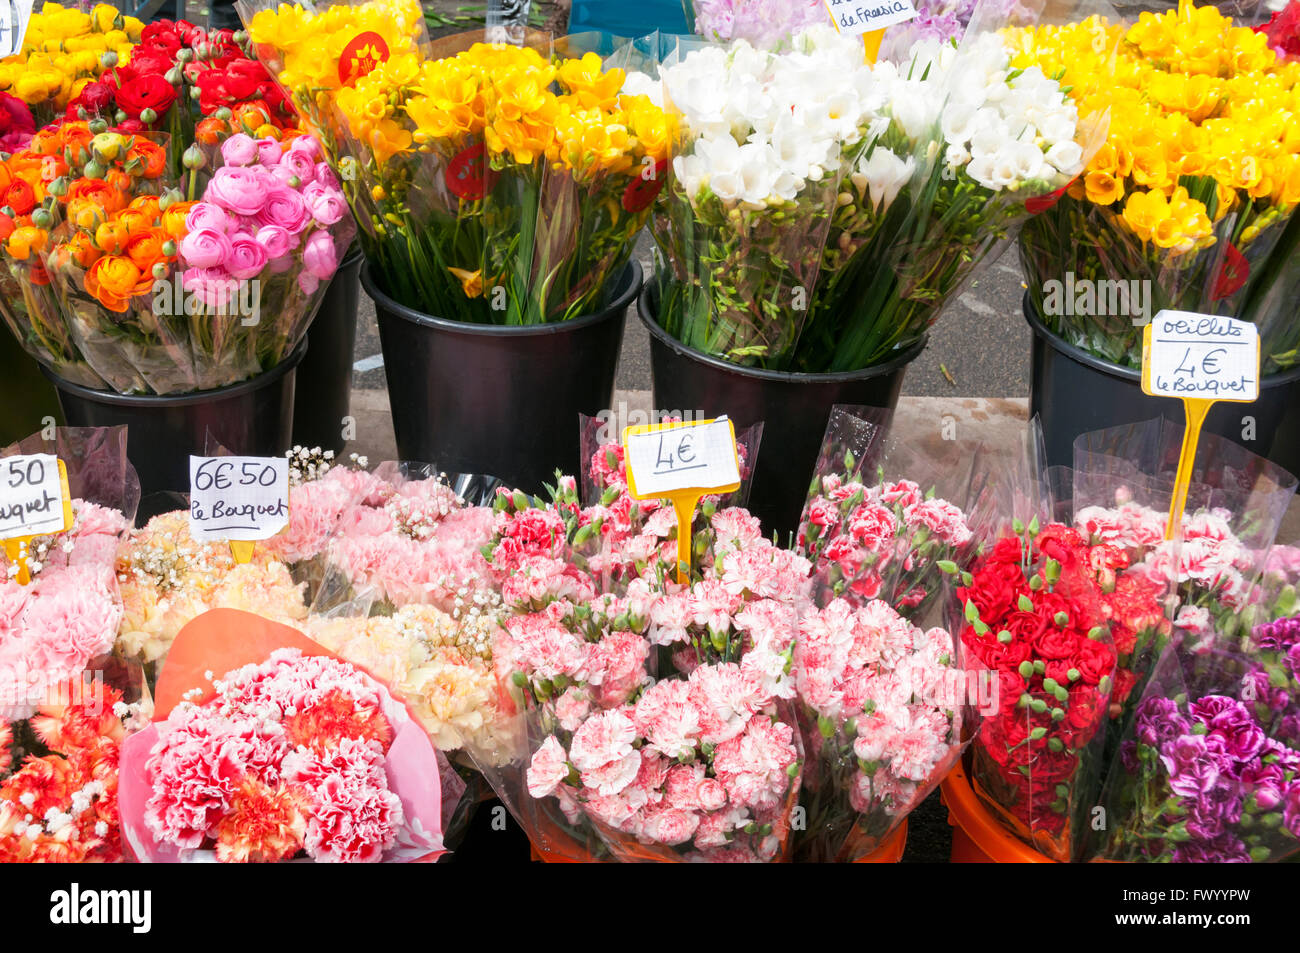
(821, 209)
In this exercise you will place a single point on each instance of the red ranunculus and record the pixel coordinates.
(241, 80)
(146, 61)
(161, 35)
(146, 92)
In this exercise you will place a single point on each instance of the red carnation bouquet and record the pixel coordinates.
(1035, 616)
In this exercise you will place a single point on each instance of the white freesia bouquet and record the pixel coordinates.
(821, 209)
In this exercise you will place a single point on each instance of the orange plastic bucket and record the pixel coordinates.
(889, 852)
(977, 837)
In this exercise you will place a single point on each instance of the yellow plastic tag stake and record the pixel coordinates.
(1184, 355)
(681, 462)
(242, 550)
(871, 43)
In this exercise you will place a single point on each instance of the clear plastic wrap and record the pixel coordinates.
(885, 714)
(1033, 623)
(505, 184)
(879, 521)
(69, 611)
(1206, 773)
(1154, 224)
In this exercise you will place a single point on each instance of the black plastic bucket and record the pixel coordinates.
(323, 388)
(503, 401)
(253, 417)
(793, 409)
(26, 398)
(1074, 392)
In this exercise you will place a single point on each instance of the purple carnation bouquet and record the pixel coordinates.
(1211, 770)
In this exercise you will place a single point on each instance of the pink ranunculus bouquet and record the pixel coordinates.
(259, 250)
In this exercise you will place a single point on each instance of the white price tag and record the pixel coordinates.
(32, 496)
(668, 459)
(238, 498)
(14, 15)
(856, 17)
(1200, 356)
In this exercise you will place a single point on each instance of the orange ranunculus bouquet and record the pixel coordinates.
(69, 177)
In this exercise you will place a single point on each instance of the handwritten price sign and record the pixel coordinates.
(1200, 355)
(857, 17)
(240, 499)
(34, 501)
(682, 462)
(1199, 359)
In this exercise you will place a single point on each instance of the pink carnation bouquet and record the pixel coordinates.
(657, 713)
(871, 537)
(298, 755)
(881, 704)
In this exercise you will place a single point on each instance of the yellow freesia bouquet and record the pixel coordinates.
(63, 50)
(495, 184)
(1193, 192)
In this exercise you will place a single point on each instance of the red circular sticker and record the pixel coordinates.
(467, 173)
(364, 53)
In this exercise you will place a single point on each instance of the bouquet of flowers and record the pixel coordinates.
(167, 579)
(58, 803)
(882, 702)
(1035, 619)
(498, 185)
(760, 22)
(226, 291)
(1211, 770)
(403, 535)
(1283, 32)
(64, 50)
(1193, 193)
(175, 67)
(298, 754)
(59, 601)
(888, 540)
(65, 185)
(441, 668)
(816, 227)
(655, 723)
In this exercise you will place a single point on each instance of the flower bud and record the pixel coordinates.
(59, 187)
(173, 76)
(1038, 734)
(108, 59)
(192, 157)
(1062, 619)
(1097, 632)
(1049, 684)
(1035, 583)
(42, 218)
(1037, 706)
(1026, 669)
(93, 170)
(159, 271)
(1004, 637)
(169, 248)
(1072, 674)
(1058, 714)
